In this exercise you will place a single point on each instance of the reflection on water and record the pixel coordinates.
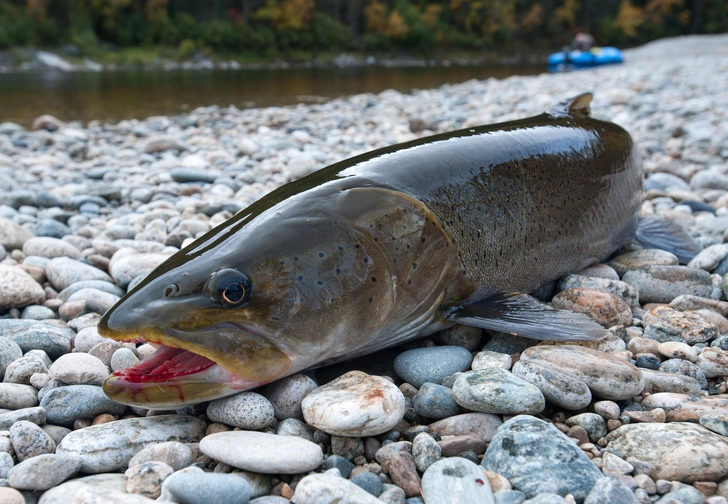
(112, 96)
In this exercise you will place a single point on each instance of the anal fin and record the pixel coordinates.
(523, 315)
(654, 232)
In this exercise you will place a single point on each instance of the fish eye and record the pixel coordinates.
(229, 287)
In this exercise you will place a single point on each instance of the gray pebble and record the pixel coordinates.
(609, 491)
(15, 396)
(369, 482)
(342, 464)
(32, 334)
(206, 488)
(425, 451)
(173, 453)
(43, 472)
(456, 480)
(123, 358)
(63, 405)
(37, 415)
(9, 352)
(20, 370)
(62, 272)
(287, 394)
(246, 410)
(294, 427)
(496, 390)
(29, 440)
(594, 424)
(435, 401)
(431, 364)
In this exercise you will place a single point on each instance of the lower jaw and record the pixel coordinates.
(175, 392)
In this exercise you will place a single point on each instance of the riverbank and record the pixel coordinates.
(87, 210)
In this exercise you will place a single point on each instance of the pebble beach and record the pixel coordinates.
(462, 416)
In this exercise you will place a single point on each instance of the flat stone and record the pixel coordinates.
(673, 325)
(487, 359)
(321, 488)
(713, 362)
(97, 285)
(44, 246)
(431, 364)
(18, 288)
(63, 271)
(161, 143)
(483, 425)
(403, 471)
(710, 257)
(9, 353)
(264, 453)
(456, 480)
(557, 388)
(658, 381)
(62, 493)
(609, 491)
(247, 410)
(36, 415)
(79, 369)
(206, 488)
(675, 451)
(451, 446)
(686, 408)
(538, 458)
(605, 308)
(677, 350)
(644, 258)
(619, 288)
(15, 396)
(43, 472)
(425, 451)
(64, 405)
(599, 271)
(435, 401)
(496, 390)
(715, 423)
(287, 394)
(662, 284)
(29, 440)
(13, 236)
(128, 268)
(35, 335)
(173, 453)
(606, 376)
(355, 404)
(109, 446)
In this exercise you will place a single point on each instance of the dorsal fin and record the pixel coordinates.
(576, 106)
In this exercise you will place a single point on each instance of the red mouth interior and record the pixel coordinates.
(165, 363)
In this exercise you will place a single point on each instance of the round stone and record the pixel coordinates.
(431, 364)
(206, 488)
(264, 453)
(18, 288)
(496, 390)
(287, 394)
(454, 481)
(247, 410)
(355, 404)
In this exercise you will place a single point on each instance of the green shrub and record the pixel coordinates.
(219, 35)
(330, 33)
(186, 49)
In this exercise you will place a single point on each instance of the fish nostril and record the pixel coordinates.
(171, 290)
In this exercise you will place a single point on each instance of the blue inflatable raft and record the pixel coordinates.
(577, 59)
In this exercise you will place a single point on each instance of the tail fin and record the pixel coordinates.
(575, 106)
(654, 232)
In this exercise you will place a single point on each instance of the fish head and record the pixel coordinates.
(320, 276)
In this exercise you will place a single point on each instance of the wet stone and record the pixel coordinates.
(355, 404)
(43, 472)
(435, 401)
(247, 410)
(639, 259)
(606, 376)
(675, 451)
(108, 447)
(538, 458)
(206, 488)
(662, 284)
(496, 390)
(264, 453)
(557, 388)
(605, 308)
(287, 394)
(63, 405)
(456, 480)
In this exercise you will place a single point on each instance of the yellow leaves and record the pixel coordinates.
(155, 10)
(656, 10)
(379, 22)
(566, 14)
(629, 18)
(396, 27)
(288, 14)
(533, 18)
(432, 14)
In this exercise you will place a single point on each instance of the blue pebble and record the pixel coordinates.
(339, 462)
(431, 364)
(435, 401)
(51, 228)
(648, 362)
(207, 488)
(89, 208)
(369, 482)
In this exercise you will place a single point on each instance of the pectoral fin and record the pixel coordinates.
(523, 315)
(654, 232)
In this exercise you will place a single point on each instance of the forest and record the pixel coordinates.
(307, 28)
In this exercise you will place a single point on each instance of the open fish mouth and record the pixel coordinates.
(193, 367)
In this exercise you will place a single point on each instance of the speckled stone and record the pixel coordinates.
(496, 390)
(435, 401)
(247, 410)
(287, 394)
(595, 425)
(79, 369)
(610, 491)
(619, 288)
(537, 458)
(557, 388)
(320, 488)
(355, 404)
(63, 405)
(686, 408)
(605, 308)
(675, 451)
(483, 425)
(657, 381)
(662, 284)
(264, 453)
(639, 259)
(43, 472)
(15, 396)
(173, 453)
(426, 451)
(455, 481)
(487, 359)
(431, 364)
(146, 478)
(208, 488)
(663, 323)
(29, 440)
(18, 288)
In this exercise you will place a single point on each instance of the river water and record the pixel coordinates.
(115, 95)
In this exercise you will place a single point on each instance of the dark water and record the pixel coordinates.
(112, 96)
